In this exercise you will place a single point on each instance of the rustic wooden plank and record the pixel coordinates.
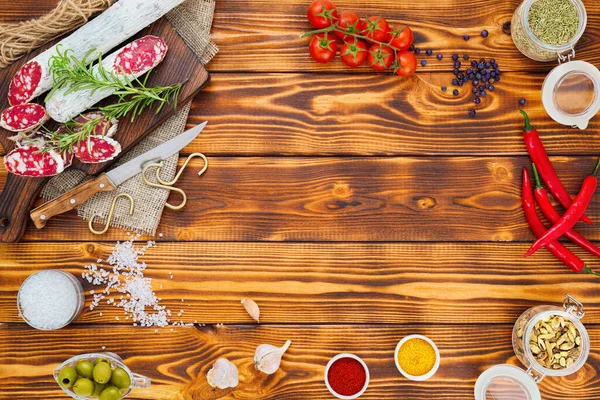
(348, 199)
(16, 11)
(186, 354)
(322, 282)
(319, 114)
(264, 35)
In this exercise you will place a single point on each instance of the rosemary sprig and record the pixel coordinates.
(74, 74)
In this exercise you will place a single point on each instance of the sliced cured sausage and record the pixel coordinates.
(104, 128)
(32, 161)
(96, 149)
(23, 117)
(129, 62)
(118, 23)
(140, 56)
(24, 83)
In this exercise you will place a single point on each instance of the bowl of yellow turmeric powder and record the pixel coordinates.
(417, 357)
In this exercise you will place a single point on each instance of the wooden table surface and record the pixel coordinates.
(355, 208)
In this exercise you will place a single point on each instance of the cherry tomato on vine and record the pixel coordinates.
(350, 23)
(354, 52)
(321, 13)
(376, 28)
(380, 57)
(323, 47)
(400, 37)
(406, 64)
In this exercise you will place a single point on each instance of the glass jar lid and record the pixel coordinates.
(506, 382)
(570, 93)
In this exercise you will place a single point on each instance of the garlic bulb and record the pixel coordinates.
(251, 308)
(223, 374)
(267, 358)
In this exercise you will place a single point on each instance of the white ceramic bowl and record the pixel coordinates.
(435, 366)
(347, 355)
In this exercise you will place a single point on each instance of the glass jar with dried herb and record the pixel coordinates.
(543, 30)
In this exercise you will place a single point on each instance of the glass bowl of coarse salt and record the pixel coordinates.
(50, 299)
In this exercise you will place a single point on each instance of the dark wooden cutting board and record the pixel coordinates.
(180, 65)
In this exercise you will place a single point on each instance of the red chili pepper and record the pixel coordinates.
(571, 216)
(538, 155)
(553, 216)
(538, 229)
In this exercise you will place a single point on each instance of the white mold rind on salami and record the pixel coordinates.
(31, 161)
(23, 117)
(96, 149)
(115, 25)
(129, 62)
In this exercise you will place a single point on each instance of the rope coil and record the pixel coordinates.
(18, 39)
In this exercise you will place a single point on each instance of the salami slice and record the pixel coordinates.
(129, 62)
(32, 161)
(96, 149)
(67, 158)
(140, 56)
(23, 117)
(118, 23)
(104, 128)
(24, 83)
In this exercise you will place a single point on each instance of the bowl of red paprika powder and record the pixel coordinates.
(346, 376)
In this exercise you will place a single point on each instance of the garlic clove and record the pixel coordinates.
(223, 374)
(267, 358)
(251, 308)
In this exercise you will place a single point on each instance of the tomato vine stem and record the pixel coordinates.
(336, 28)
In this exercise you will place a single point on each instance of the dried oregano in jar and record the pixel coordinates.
(543, 29)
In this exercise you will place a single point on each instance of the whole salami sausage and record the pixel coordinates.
(23, 117)
(119, 22)
(129, 62)
(32, 161)
(96, 149)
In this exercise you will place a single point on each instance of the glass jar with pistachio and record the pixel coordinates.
(552, 340)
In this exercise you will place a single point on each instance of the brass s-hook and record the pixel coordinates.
(174, 181)
(169, 185)
(110, 214)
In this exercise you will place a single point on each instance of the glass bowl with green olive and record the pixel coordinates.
(101, 376)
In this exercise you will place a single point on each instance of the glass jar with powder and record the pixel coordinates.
(50, 299)
(544, 30)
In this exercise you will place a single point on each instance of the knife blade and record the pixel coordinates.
(109, 181)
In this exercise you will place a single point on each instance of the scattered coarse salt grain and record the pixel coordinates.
(50, 299)
(127, 278)
(103, 347)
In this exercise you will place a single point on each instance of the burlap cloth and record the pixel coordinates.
(192, 20)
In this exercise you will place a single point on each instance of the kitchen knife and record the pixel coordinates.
(109, 181)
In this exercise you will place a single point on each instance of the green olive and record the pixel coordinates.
(120, 378)
(67, 376)
(83, 387)
(98, 388)
(110, 393)
(101, 372)
(84, 368)
(101, 360)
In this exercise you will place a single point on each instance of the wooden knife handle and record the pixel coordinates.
(73, 198)
(16, 200)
